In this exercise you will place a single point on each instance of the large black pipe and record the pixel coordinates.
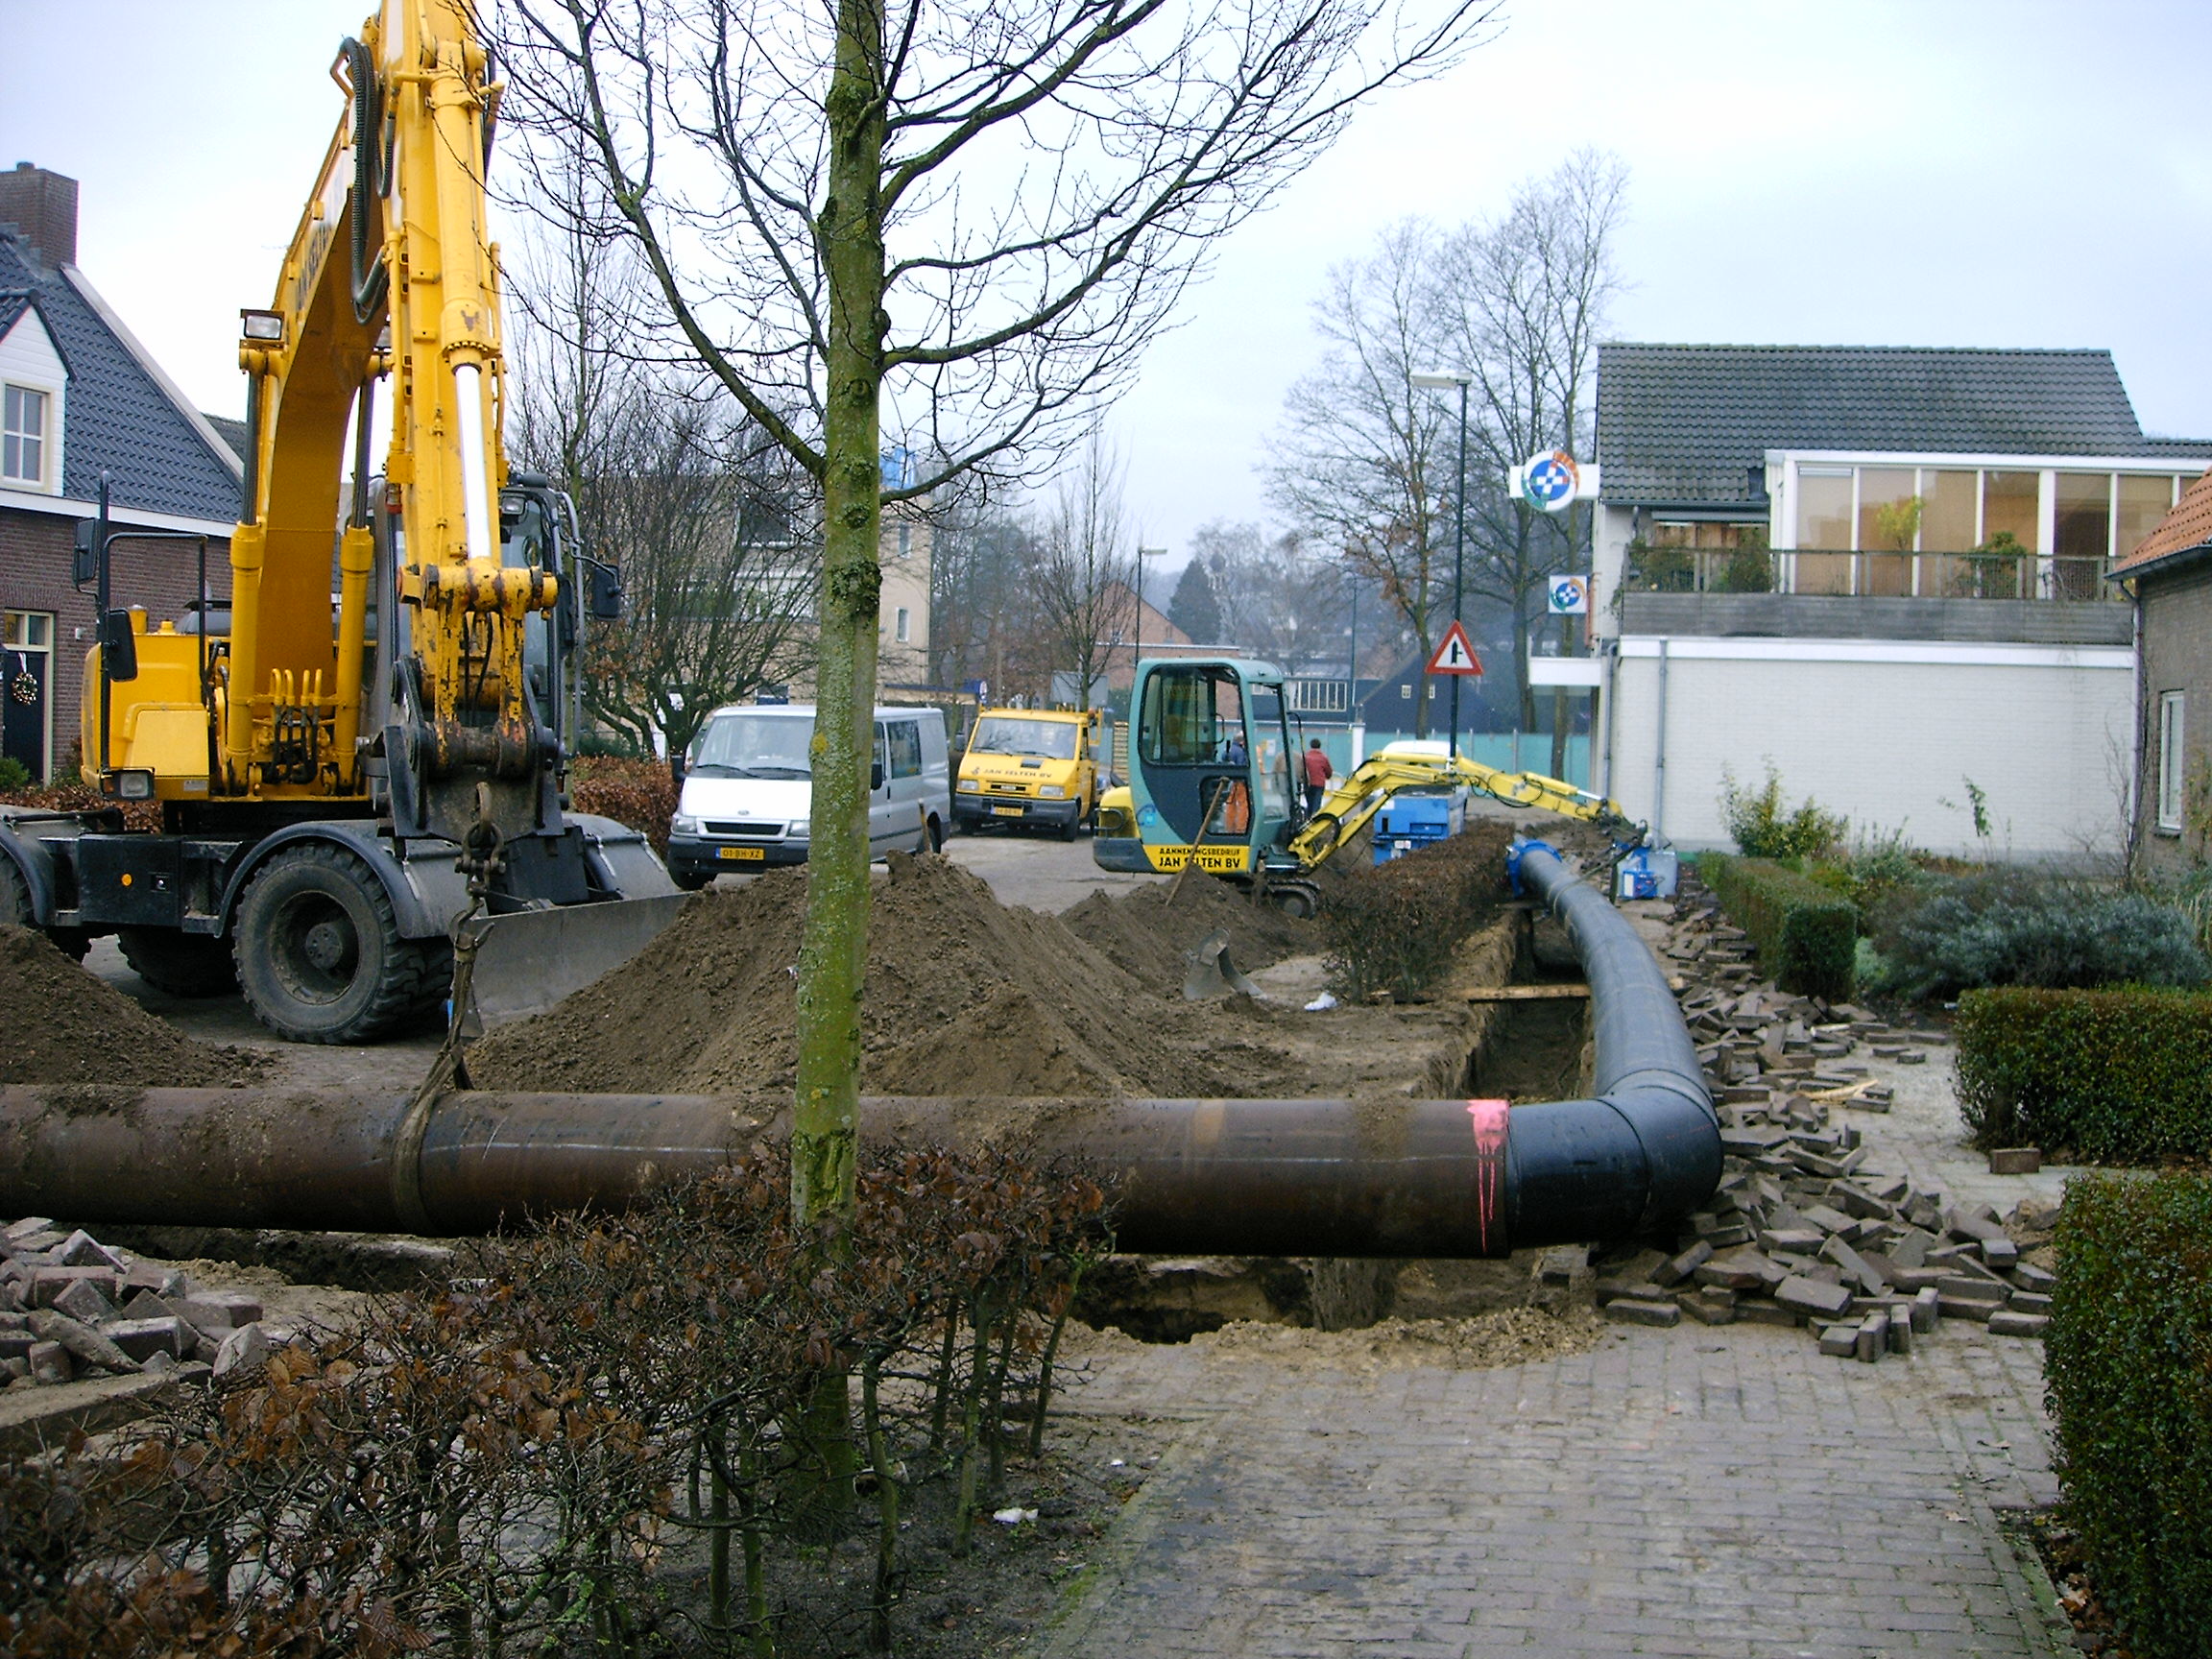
(1645, 1150)
(1404, 1178)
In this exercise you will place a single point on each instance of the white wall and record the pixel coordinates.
(1885, 733)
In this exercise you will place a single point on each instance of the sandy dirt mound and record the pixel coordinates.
(1147, 933)
(964, 996)
(1509, 1337)
(60, 1024)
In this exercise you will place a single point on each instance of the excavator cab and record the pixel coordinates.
(1210, 758)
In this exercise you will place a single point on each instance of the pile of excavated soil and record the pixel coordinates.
(61, 1024)
(1508, 1336)
(1147, 933)
(964, 996)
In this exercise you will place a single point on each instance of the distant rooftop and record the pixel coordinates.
(1686, 425)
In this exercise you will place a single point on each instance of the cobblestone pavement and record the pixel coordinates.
(1693, 1491)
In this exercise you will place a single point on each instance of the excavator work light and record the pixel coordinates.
(136, 784)
(265, 326)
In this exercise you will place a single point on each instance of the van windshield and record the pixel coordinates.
(1052, 739)
(755, 746)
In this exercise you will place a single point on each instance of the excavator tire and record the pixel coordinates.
(1297, 899)
(182, 963)
(320, 954)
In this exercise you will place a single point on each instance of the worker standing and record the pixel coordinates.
(1318, 772)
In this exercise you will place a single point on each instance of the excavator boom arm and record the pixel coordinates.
(1354, 802)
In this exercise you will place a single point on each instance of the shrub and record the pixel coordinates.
(638, 793)
(1396, 926)
(1763, 827)
(2127, 1363)
(2015, 929)
(1807, 936)
(2121, 1075)
(13, 774)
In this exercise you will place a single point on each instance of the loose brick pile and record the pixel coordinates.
(1804, 1231)
(72, 1308)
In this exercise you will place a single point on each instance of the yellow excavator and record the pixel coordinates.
(1213, 784)
(367, 744)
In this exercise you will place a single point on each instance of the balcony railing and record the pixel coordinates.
(1879, 575)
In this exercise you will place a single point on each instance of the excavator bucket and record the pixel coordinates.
(532, 959)
(1211, 974)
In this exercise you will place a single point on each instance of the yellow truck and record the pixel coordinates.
(1034, 766)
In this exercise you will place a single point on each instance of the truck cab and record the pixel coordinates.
(1033, 766)
(1210, 773)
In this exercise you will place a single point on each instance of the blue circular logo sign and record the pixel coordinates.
(1551, 480)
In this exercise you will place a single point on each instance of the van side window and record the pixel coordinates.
(906, 749)
(882, 756)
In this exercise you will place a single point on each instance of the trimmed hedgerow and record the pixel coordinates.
(2115, 1076)
(2022, 928)
(1396, 926)
(638, 793)
(2128, 1364)
(1807, 936)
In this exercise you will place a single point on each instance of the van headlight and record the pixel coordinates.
(970, 786)
(680, 824)
(797, 829)
(1052, 791)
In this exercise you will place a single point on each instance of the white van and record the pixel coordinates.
(749, 789)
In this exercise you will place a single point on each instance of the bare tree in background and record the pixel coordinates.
(1274, 599)
(1519, 304)
(981, 209)
(709, 521)
(983, 621)
(1364, 461)
(1085, 572)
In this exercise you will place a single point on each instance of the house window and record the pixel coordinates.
(23, 435)
(2143, 503)
(905, 539)
(2172, 761)
(903, 628)
(1824, 507)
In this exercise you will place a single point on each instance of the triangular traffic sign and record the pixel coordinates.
(1454, 655)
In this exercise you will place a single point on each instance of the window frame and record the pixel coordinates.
(2169, 805)
(43, 438)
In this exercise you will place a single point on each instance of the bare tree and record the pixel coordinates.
(982, 608)
(1086, 565)
(1520, 303)
(981, 209)
(1364, 461)
(1274, 598)
(710, 522)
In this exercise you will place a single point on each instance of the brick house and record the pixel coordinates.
(2169, 576)
(1884, 570)
(79, 395)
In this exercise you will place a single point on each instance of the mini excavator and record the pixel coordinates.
(1213, 786)
(365, 747)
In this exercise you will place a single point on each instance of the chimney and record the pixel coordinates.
(43, 206)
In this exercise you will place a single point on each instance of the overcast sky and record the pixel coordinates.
(2007, 172)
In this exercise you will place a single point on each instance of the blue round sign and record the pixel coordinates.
(1549, 481)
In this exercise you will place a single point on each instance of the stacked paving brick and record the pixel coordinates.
(1803, 1230)
(72, 1308)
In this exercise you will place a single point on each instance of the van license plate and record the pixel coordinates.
(1007, 811)
(741, 852)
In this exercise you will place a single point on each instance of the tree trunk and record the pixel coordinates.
(835, 945)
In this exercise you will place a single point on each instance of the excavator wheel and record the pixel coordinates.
(320, 954)
(1299, 899)
(182, 964)
(15, 908)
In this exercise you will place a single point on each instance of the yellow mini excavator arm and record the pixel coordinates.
(1346, 810)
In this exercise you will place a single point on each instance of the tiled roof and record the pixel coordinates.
(2189, 526)
(1686, 424)
(231, 432)
(120, 414)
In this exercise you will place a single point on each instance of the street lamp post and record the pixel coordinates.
(1438, 380)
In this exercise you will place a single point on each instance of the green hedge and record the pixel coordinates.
(1806, 936)
(2127, 1363)
(2115, 1076)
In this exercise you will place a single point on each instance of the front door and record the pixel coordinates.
(26, 689)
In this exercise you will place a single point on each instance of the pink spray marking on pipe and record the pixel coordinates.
(1490, 1121)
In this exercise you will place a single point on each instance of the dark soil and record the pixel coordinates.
(964, 996)
(1148, 932)
(61, 1024)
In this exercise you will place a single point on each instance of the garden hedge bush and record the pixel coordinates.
(2127, 1363)
(2115, 1076)
(1807, 936)
(2028, 927)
